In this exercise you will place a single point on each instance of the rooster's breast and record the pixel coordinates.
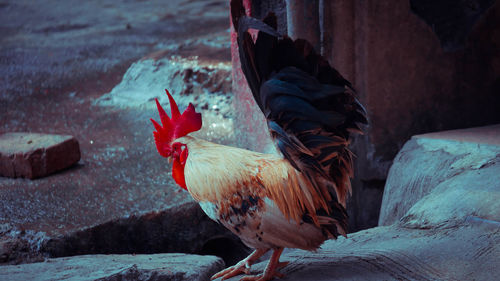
(260, 224)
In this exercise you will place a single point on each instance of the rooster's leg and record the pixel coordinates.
(241, 267)
(270, 271)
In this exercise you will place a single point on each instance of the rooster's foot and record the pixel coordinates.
(270, 271)
(241, 267)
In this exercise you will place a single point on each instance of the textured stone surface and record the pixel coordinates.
(177, 267)
(203, 82)
(33, 155)
(467, 252)
(445, 176)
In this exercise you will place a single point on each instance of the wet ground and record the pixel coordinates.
(56, 59)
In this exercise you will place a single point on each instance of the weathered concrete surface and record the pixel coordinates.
(56, 59)
(33, 155)
(190, 77)
(117, 267)
(18, 246)
(440, 217)
(51, 46)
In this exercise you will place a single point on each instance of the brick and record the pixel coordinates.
(32, 155)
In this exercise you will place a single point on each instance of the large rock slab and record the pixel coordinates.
(440, 217)
(444, 177)
(117, 267)
(33, 155)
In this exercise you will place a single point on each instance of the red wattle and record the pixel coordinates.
(178, 173)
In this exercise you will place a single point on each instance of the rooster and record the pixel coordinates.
(295, 199)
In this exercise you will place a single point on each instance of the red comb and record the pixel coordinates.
(175, 127)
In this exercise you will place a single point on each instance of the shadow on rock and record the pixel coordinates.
(184, 229)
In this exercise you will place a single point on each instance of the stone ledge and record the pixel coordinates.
(117, 267)
(482, 135)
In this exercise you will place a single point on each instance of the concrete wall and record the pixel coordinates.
(411, 78)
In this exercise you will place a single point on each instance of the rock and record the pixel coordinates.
(204, 82)
(442, 178)
(440, 217)
(146, 79)
(117, 267)
(34, 155)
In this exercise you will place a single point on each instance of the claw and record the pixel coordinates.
(241, 267)
(244, 267)
(270, 271)
(226, 273)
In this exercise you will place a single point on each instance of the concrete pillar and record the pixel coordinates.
(337, 35)
(303, 21)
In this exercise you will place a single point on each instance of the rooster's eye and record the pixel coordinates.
(179, 151)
